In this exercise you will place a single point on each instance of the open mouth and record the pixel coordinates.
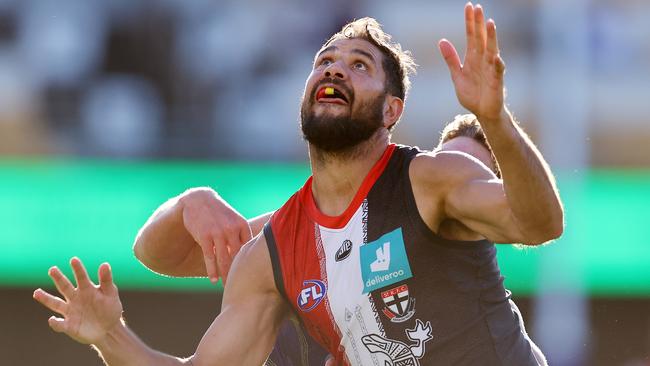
(330, 94)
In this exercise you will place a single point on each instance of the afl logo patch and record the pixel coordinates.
(312, 293)
(344, 251)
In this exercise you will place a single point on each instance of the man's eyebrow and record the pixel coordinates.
(364, 53)
(327, 49)
(354, 50)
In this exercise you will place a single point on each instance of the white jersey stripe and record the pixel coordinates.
(354, 312)
(322, 262)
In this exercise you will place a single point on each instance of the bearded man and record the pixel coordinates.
(355, 254)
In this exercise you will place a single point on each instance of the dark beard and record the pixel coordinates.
(341, 133)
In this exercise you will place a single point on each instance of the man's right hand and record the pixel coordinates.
(216, 226)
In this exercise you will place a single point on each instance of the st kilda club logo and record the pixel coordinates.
(400, 306)
(312, 293)
(344, 251)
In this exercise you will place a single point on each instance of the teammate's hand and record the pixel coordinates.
(217, 227)
(479, 79)
(89, 311)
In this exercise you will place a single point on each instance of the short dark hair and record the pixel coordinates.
(398, 64)
(467, 125)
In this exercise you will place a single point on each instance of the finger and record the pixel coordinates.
(237, 237)
(245, 235)
(499, 67)
(479, 28)
(62, 283)
(80, 273)
(50, 301)
(105, 278)
(492, 41)
(223, 258)
(210, 260)
(469, 26)
(57, 324)
(451, 57)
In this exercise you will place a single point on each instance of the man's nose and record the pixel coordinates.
(335, 70)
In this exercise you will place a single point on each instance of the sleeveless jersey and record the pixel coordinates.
(295, 348)
(375, 286)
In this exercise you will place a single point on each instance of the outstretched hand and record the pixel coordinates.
(479, 79)
(89, 311)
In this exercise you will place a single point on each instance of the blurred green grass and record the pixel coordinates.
(51, 210)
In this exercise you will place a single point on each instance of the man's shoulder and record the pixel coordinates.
(293, 208)
(256, 250)
(434, 175)
(253, 265)
(441, 166)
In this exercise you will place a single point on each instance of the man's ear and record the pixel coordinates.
(393, 108)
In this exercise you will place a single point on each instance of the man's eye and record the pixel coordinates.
(326, 62)
(360, 65)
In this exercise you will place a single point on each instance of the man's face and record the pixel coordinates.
(344, 95)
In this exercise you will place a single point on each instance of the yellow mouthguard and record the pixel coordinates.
(329, 91)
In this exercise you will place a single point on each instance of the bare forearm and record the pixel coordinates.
(528, 182)
(165, 246)
(121, 347)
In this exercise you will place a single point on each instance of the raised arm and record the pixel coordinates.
(243, 334)
(525, 207)
(194, 234)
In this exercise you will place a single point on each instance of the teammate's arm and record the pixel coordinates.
(243, 334)
(194, 234)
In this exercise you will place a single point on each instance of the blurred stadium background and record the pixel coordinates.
(108, 108)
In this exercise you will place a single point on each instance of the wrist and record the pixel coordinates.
(501, 133)
(120, 346)
(112, 336)
(503, 117)
(196, 195)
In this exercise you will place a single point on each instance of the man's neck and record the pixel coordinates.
(338, 176)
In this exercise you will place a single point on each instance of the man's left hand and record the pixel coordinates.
(479, 79)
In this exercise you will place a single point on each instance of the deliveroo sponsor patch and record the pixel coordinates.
(384, 261)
